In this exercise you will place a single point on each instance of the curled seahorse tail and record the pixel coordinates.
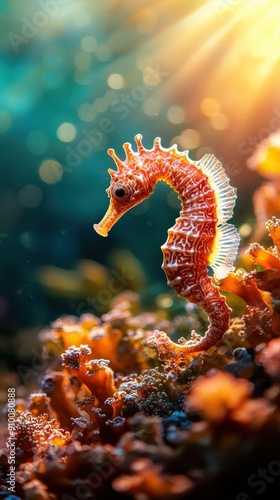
(219, 317)
(197, 287)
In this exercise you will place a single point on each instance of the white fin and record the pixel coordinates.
(219, 182)
(225, 250)
(227, 238)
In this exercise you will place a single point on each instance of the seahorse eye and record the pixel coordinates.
(120, 192)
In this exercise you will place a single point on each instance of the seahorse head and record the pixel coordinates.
(130, 185)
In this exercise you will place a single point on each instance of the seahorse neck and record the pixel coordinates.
(171, 173)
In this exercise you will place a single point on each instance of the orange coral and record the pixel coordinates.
(266, 199)
(94, 374)
(150, 420)
(36, 433)
(218, 396)
(56, 385)
(259, 288)
(269, 358)
(148, 481)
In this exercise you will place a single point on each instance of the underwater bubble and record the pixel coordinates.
(89, 44)
(219, 121)
(209, 106)
(115, 81)
(5, 120)
(66, 132)
(86, 112)
(30, 196)
(175, 114)
(37, 142)
(50, 171)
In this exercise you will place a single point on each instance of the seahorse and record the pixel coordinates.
(201, 236)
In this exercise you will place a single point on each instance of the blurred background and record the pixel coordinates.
(79, 76)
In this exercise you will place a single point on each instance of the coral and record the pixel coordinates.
(124, 411)
(266, 199)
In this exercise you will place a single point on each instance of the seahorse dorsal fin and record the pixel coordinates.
(225, 250)
(227, 238)
(219, 182)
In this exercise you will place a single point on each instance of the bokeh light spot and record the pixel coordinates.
(50, 171)
(175, 114)
(209, 106)
(66, 132)
(189, 138)
(245, 230)
(27, 240)
(100, 104)
(163, 300)
(86, 112)
(151, 106)
(30, 196)
(89, 44)
(219, 121)
(115, 81)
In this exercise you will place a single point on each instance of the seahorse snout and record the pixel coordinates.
(110, 218)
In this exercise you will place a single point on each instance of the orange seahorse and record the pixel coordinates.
(200, 236)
